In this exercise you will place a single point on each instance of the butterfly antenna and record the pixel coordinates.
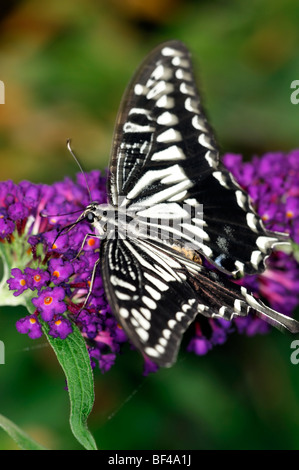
(68, 143)
(43, 214)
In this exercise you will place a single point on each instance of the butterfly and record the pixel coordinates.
(172, 211)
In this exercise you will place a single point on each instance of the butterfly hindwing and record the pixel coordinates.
(148, 296)
(155, 294)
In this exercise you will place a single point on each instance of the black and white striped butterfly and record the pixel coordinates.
(171, 203)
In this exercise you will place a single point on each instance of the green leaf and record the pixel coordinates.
(19, 436)
(74, 359)
(6, 295)
(295, 247)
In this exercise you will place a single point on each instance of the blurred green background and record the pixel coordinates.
(65, 65)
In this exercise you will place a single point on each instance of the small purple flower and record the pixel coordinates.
(105, 361)
(219, 331)
(38, 278)
(58, 244)
(251, 326)
(19, 282)
(7, 193)
(199, 345)
(120, 336)
(30, 194)
(60, 327)
(149, 366)
(292, 207)
(60, 270)
(279, 284)
(29, 325)
(87, 324)
(17, 211)
(50, 302)
(6, 227)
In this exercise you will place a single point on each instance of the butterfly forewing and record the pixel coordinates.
(165, 166)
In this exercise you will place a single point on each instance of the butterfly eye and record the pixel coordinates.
(90, 217)
(104, 213)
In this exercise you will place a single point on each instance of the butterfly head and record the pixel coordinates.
(98, 216)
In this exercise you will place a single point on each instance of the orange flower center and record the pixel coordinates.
(37, 277)
(23, 282)
(32, 321)
(91, 242)
(48, 300)
(290, 214)
(56, 274)
(58, 322)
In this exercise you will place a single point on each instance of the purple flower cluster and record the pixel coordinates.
(273, 185)
(53, 272)
(61, 279)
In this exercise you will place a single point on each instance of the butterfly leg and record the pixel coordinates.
(83, 243)
(91, 282)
